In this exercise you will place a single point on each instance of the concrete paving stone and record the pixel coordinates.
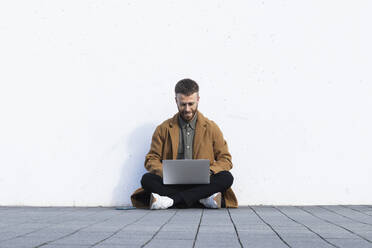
(190, 216)
(116, 246)
(6, 222)
(357, 226)
(335, 234)
(85, 221)
(4, 235)
(61, 229)
(187, 215)
(74, 224)
(292, 228)
(155, 218)
(325, 214)
(186, 228)
(244, 213)
(222, 216)
(360, 226)
(342, 221)
(146, 228)
(132, 235)
(281, 233)
(127, 241)
(217, 229)
(231, 244)
(364, 209)
(217, 242)
(27, 224)
(166, 212)
(98, 229)
(23, 242)
(124, 220)
(33, 225)
(190, 211)
(157, 243)
(21, 232)
(349, 213)
(281, 224)
(307, 243)
(65, 246)
(260, 236)
(187, 218)
(218, 215)
(212, 244)
(275, 218)
(129, 216)
(120, 217)
(294, 232)
(351, 243)
(356, 231)
(216, 222)
(366, 233)
(184, 223)
(87, 234)
(253, 227)
(274, 242)
(238, 221)
(219, 237)
(255, 231)
(15, 245)
(76, 241)
(83, 238)
(118, 222)
(175, 235)
(48, 234)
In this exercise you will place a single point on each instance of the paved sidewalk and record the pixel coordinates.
(256, 226)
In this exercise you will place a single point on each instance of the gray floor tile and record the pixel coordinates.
(351, 243)
(257, 226)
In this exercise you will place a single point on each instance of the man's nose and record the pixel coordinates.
(188, 107)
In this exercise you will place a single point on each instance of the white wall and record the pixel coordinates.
(83, 84)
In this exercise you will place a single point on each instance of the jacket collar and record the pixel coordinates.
(201, 120)
(174, 132)
(192, 123)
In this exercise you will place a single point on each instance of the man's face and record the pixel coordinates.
(187, 105)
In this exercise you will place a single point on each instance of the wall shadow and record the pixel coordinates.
(137, 146)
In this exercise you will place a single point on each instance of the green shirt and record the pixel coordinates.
(186, 140)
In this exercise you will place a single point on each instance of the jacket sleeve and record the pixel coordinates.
(153, 161)
(222, 157)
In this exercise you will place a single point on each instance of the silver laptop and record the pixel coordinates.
(186, 171)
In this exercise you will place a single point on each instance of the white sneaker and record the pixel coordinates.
(214, 201)
(160, 202)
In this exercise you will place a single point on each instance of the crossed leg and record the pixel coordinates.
(187, 194)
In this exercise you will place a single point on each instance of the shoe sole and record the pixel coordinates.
(152, 200)
(218, 200)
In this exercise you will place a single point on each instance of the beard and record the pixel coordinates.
(188, 116)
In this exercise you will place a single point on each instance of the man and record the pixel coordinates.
(187, 135)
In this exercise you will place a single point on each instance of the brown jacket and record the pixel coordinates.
(208, 144)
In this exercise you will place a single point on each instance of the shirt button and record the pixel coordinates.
(188, 133)
(188, 147)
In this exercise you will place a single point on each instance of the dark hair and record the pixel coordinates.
(187, 87)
